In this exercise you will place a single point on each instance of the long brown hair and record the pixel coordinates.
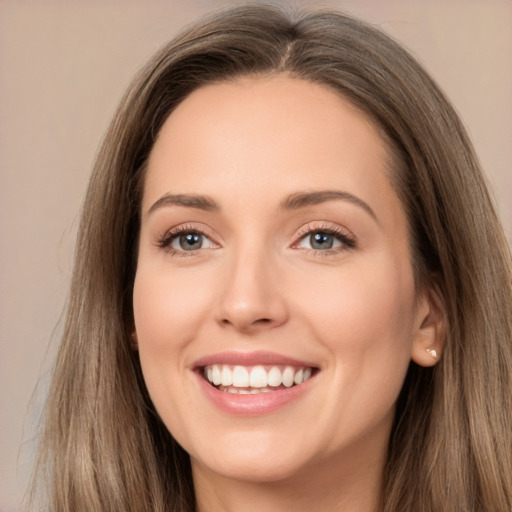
(105, 449)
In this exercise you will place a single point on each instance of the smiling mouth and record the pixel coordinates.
(245, 380)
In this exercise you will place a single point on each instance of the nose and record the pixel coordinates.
(253, 298)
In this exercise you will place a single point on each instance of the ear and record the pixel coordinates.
(135, 341)
(430, 327)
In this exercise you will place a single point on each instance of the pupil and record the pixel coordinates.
(321, 241)
(190, 241)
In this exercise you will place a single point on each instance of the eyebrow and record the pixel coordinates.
(303, 199)
(293, 202)
(197, 201)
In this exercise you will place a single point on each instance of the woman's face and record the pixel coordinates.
(274, 300)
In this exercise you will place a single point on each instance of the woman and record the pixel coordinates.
(291, 290)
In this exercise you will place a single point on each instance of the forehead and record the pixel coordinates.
(274, 135)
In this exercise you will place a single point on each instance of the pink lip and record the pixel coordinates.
(250, 359)
(251, 405)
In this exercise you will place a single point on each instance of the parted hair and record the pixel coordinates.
(103, 446)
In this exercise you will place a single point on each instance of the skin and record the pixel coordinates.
(256, 284)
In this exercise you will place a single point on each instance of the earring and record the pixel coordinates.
(432, 352)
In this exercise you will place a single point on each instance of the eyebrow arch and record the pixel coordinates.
(303, 199)
(187, 200)
(292, 202)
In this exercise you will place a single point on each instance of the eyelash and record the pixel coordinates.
(342, 235)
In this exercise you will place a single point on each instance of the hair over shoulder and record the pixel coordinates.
(103, 446)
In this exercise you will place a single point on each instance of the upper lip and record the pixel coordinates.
(251, 359)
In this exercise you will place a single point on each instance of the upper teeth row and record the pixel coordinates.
(255, 377)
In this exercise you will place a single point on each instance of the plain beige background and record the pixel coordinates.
(63, 67)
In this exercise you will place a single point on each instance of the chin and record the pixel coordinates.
(256, 470)
(258, 460)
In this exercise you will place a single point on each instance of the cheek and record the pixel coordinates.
(364, 318)
(168, 312)
(365, 322)
(167, 307)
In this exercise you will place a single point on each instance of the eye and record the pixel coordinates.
(183, 239)
(320, 241)
(189, 241)
(326, 240)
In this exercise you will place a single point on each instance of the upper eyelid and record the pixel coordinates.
(319, 226)
(199, 228)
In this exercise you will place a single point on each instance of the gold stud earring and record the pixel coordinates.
(432, 352)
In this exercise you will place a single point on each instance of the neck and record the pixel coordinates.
(322, 487)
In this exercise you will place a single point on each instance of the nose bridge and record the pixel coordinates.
(251, 296)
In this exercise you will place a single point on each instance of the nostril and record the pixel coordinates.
(259, 321)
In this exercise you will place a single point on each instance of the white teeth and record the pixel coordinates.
(254, 379)
(216, 375)
(227, 376)
(240, 377)
(274, 377)
(288, 375)
(258, 377)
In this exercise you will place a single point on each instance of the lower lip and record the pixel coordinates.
(251, 405)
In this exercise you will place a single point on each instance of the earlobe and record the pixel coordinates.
(430, 333)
